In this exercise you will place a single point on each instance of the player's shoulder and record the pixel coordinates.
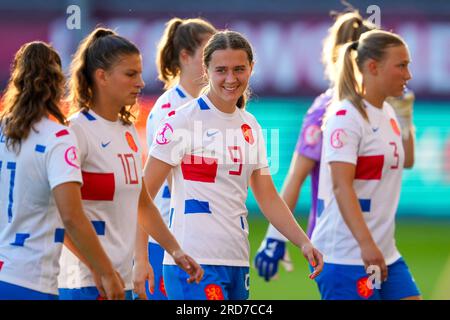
(82, 117)
(172, 98)
(164, 100)
(249, 117)
(53, 132)
(343, 114)
(51, 128)
(389, 109)
(321, 102)
(194, 108)
(343, 109)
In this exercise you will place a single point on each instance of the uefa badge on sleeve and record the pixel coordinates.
(164, 134)
(312, 135)
(71, 157)
(338, 138)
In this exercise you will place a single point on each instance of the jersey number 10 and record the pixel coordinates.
(129, 168)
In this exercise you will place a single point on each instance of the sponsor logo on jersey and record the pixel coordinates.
(214, 292)
(395, 127)
(338, 138)
(209, 134)
(247, 132)
(164, 134)
(312, 135)
(131, 143)
(104, 145)
(363, 289)
(71, 157)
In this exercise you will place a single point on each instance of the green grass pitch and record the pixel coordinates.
(424, 244)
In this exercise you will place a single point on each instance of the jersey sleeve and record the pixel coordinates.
(81, 140)
(172, 140)
(153, 121)
(309, 143)
(262, 161)
(341, 137)
(62, 161)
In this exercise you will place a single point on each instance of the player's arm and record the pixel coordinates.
(403, 107)
(299, 170)
(142, 270)
(278, 214)
(152, 223)
(273, 247)
(408, 146)
(342, 175)
(84, 242)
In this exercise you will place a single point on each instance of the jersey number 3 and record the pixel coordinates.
(396, 156)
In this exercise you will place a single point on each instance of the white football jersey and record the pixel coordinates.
(31, 231)
(170, 100)
(376, 149)
(213, 155)
(112, 174)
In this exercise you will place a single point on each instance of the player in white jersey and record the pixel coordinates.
(179, 63)
(360, 175)
(305, 161)
(215, 150)
(105, 82)
(39, 175)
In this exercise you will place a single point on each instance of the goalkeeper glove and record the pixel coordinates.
(269, 254)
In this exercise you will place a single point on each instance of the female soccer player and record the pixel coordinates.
(360, 174)
(215, 150)
(306, 159)
(105, 83)
(179, 62)
(40, 184)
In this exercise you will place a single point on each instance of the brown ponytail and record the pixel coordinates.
(348, 27)
(347, 85)
(371, 45)
(179, 35)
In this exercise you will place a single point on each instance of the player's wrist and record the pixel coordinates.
(140, 260)
(366, 243)
(176, 253)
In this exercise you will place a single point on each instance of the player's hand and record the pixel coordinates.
(372, 256)
(403, 107)
(110, 286)
(314, 258)
(185, 262)
(268, 256)
(143, 271)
